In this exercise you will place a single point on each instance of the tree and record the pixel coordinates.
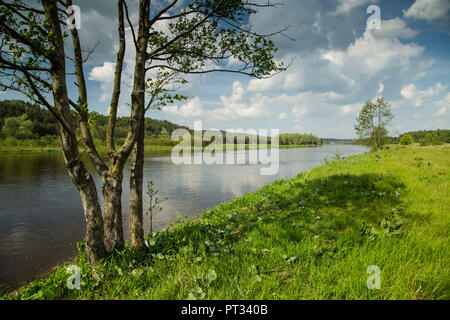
(43, 123)
(406, 140)
(18, 127)
(373, 122)
(200, 34)
(431, 138)
(33, 62)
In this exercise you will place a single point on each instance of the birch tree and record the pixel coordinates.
(201, 37)
(373, 122)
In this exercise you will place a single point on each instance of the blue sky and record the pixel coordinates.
(337, 65)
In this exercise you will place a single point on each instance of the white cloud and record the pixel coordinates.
(236, 106)
(419, 97)
(428, 10)
(377, 56)
(346, 6)
(350, 109)
(409, 92)
(444, 106)
(370, 55)
(283, 116)
(314, 104)
(243, 105)
(299, 110)
(192, 109)
(103, 73)
(394, 28)
(307, 72)
(239, 105)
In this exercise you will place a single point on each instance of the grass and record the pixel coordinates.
(311, 237)
(28, 149)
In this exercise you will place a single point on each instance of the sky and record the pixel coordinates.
(336, 63)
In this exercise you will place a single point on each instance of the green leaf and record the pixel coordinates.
(210, 276)
(196, 294)
(119, 271)
(136, 273)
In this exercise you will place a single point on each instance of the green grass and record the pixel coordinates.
(312, 237)
(28, 149)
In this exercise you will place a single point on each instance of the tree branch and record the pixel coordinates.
(117, 82)
(129, 22)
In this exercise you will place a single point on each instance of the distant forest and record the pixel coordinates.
(338, 141)
(26, 124)
(24, 121)
(426, 137)
(299, 139)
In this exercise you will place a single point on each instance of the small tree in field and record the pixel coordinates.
(406, 140)
(373, 122)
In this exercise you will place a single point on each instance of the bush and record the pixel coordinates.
(406, 140)
(431, 139)
(11, 142)
(119, 141)
(160, 142)
(49, 141)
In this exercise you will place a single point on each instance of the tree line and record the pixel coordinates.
(35, 126)
(299, 139)
(426, 137)
(26, 121)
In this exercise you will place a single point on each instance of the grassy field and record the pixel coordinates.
(312, 237)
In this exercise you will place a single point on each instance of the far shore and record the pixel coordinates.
(148, 148)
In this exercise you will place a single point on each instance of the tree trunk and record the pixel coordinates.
(112, 209)
(138, 105)
(136, 186)
(95, 248)
(81, 178)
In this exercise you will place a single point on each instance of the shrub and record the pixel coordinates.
(11, 142)
(406, 140)
(160, 142)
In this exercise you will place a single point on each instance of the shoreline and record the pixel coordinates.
(147, 148)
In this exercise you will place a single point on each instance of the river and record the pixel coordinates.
(41, 217)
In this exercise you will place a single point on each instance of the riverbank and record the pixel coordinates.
(311, 237)
(147, 148)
